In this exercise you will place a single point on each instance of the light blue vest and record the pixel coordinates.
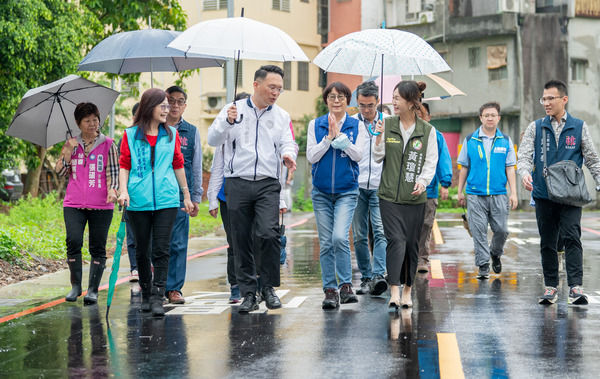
(487, 177)
(152, 189)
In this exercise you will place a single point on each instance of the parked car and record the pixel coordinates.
(12, 189)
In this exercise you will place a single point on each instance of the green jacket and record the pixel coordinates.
(402, 167)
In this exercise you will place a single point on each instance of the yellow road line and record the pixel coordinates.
(437, 234)
(436, 269)
(449, 357)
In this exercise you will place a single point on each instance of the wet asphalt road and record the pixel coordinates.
(499, 329)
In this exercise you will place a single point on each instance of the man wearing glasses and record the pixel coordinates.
(257, 138)
(567, 138)
(488, 159)
(367, 208)
(191, 148)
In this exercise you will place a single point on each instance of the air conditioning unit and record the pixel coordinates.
(213, 102)
(426, 17)
(509, 5)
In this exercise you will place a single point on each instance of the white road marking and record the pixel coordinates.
(518, 241)
(295, 302)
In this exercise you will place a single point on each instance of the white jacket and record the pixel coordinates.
(216, 181)
(370, 171)
(254, 147)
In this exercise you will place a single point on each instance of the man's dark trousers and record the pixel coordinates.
(254, 203)
(553, 218)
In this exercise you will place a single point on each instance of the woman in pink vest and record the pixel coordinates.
(92, 162)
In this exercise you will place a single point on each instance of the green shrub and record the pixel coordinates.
(301, 203)
(9, 250)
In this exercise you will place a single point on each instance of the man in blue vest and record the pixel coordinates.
(488, 159)
(568, 138)
(191, 148)
(443, 176)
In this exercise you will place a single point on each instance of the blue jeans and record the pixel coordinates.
(333, 213)
(368, 207)
(178, 252)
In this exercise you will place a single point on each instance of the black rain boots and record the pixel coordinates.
(96, 270)
(75, 269)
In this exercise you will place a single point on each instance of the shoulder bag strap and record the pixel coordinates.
(544, 151)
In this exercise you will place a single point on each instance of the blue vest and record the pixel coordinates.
(443, 170)
(487, 178)
(187, 137)
(152, 189)
(335, 172)
(569, 148)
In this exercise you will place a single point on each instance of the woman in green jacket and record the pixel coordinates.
(407, 146)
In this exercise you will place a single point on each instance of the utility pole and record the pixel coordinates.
(229, 68)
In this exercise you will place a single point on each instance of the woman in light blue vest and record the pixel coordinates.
(151, 174)
(334, 152)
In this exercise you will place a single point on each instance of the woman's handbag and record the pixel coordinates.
(565, 181)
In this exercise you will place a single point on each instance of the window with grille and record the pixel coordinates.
(302, 76)
(287, 76)
(214, 5)
(239, 74)
(497, 73)
(474, 56)
(281, 5)
(578, 68)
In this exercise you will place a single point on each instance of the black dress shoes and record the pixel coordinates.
(270, 298)
(249, 304)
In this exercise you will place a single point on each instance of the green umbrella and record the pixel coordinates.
(112, 281)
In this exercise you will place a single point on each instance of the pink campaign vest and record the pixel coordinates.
(87, 182)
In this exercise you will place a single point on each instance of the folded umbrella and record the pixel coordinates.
(112, 281)
(283, 252)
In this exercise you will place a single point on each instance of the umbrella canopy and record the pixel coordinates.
(437, 88)
(365, 52)
(143, 51)
(45, 114)
(239, 38)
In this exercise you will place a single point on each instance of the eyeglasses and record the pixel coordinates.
(489, 115)
(334, 97)
(549, 99)
(164, 107)
(173, 101)
(367, 106)
(275, 89)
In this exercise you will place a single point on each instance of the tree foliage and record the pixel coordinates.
(44, 40)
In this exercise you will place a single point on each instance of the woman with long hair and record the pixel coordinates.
(407, 146)
(91, 162)
(334, 152)
(151, 174)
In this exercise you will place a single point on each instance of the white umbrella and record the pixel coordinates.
(364, 53)
(45, 114)
(239, 38)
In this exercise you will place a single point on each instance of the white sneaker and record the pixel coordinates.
(134, 277)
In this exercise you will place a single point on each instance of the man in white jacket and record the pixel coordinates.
(256, 136)
(367, 208)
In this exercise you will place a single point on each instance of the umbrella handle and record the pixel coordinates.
(240, 120)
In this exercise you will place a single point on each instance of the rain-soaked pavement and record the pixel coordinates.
(459, 325)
